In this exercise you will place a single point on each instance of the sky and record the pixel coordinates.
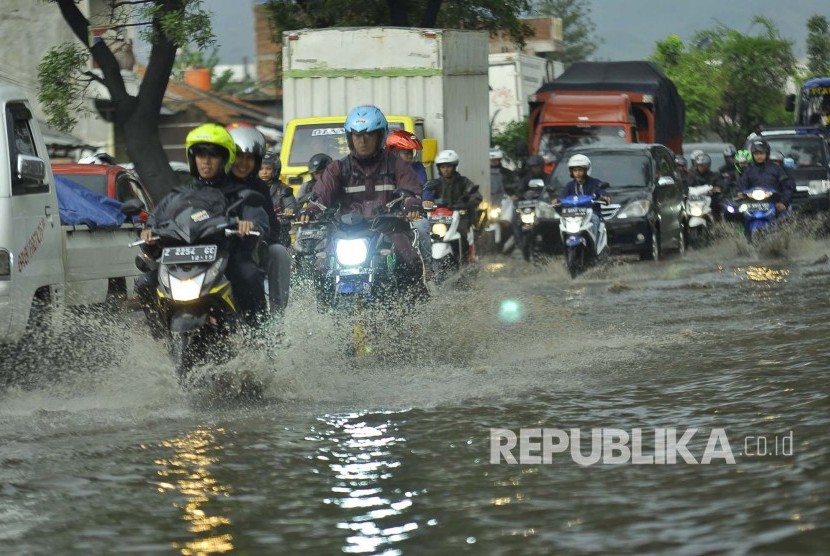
(629, 28)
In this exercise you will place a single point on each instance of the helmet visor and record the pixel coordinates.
(207, 149)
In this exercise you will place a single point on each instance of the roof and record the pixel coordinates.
(218, 107)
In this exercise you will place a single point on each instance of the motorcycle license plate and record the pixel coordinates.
(526, 204)
(571, 212)
(758, 206)
(189, 254)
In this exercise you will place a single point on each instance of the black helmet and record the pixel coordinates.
(535, 160)
(703, 160)
(318, 162)
(759, 145)
(272, 159)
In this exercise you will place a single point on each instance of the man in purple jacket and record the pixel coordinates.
(365, 179)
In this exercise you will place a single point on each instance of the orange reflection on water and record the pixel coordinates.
(187, 472)
(764, 274)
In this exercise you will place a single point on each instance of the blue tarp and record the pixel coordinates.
(78, 205)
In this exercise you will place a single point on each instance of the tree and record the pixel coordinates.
(577, 28)
(488, 15)
(64, 73)
(731, 82)
(513, 140)
(818, 46)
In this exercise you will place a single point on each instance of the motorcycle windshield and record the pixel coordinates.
(190, 226)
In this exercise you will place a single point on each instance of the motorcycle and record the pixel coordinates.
(527, 212)
(195, 299)
(576, 227)
(756, 208)
(501, 226)
(448, 239)
(359, 261)
(699, 209)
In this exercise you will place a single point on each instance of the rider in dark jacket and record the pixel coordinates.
(211, 152)
(764, 173)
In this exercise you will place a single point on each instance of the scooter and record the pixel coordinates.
(195, 299)
(576, 227)
(527, 210)
(448, 255)
(699, 209)
(501, 226)
(756, 206)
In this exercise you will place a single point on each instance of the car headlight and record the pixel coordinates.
(188, 289)
(439, 229)
(495, 213)
(759, 194)
(351, 252)
(635, 209)
(528, 217)
(818, 187)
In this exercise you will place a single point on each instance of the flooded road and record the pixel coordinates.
(394, 457)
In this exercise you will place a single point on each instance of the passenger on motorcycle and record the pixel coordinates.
(274, 259)
(727, 171)
(743, 159)
(764, 173)
(282, 197)
(365, 180)
(406, 145)
(316, 166)
(211, 152)
(579, 166)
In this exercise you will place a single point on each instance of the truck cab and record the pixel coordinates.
(305, 137)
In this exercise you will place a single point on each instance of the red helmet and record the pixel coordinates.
(401, 140)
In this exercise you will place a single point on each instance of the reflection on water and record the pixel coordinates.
(361, 459)
(187, 472)
(763, 274)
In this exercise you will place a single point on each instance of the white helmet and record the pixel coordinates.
(496, 153)
(580, 160)
(448, 156)
(97, 158)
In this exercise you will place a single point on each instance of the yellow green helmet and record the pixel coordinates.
(207, 135)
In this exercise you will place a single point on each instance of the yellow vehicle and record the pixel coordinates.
(305, 137)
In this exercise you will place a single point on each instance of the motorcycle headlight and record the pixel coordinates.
(188, 289)
(696, 209)
(495, 213)
(635, 209)
(759, 195)
(351, 252)
(528, 217)
(439, 229)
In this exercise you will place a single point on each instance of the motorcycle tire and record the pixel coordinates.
(181, 346)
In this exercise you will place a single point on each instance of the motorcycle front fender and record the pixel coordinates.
(188, 321)
(441, 250)
(696, 221)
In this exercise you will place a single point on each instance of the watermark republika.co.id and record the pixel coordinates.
(613, 446)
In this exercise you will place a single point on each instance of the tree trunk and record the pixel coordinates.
(398, 15)
(430, 18)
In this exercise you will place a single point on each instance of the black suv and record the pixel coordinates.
(647, 214)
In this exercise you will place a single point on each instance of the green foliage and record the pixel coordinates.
(818, 46)
(509, 139)
(730, 82)
(61, 85)
(188, 25)
(488, 15)
(577, 28)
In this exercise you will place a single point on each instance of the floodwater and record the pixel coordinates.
(727, 348)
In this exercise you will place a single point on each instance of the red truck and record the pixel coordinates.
(598, 103)
(112, 181)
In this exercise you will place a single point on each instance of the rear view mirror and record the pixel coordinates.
(536, 184)
(31, 168)
(665, 181)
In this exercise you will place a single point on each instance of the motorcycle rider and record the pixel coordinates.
(682, 170)
(316, 165)
(502, 180)
(743, 159)
(764, 173)
(579, 167)
(211, 152)
(702, 174)
(366, 178)
(275, 260)
(535, 166)
(727, 171)
(282, 196)
(406, 145)
(452, 187)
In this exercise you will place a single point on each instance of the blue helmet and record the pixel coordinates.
(367, 118)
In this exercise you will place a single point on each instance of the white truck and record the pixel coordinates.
(44, 265)
(433, 81)
(513, 77)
